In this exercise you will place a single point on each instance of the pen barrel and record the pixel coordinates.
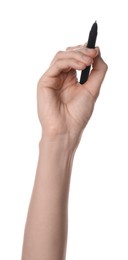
(85, 74)
(90, 44)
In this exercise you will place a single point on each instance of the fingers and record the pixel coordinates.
(96, 77)
(77, 59)
(64, 65)
(80, 55)
(77, 53)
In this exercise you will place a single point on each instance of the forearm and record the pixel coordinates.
(47, 222)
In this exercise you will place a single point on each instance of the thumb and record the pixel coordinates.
(96, 76)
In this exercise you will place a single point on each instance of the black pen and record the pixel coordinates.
(90, 44)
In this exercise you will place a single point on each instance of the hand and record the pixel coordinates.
(64, 105)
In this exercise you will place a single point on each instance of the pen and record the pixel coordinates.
(90, 44)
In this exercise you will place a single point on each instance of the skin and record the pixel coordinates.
(64, 109)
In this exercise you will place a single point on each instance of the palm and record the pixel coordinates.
(67, 106)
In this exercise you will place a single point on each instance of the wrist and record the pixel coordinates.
(63, 142)
(56, 158)
(58, 149)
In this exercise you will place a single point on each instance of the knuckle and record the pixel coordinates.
(106, 66)
(59, 53)
(68, 48)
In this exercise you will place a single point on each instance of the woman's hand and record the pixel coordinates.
(64, 105)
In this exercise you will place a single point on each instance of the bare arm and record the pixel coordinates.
(64, 108)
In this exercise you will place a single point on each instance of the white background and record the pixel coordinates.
(31, 32)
